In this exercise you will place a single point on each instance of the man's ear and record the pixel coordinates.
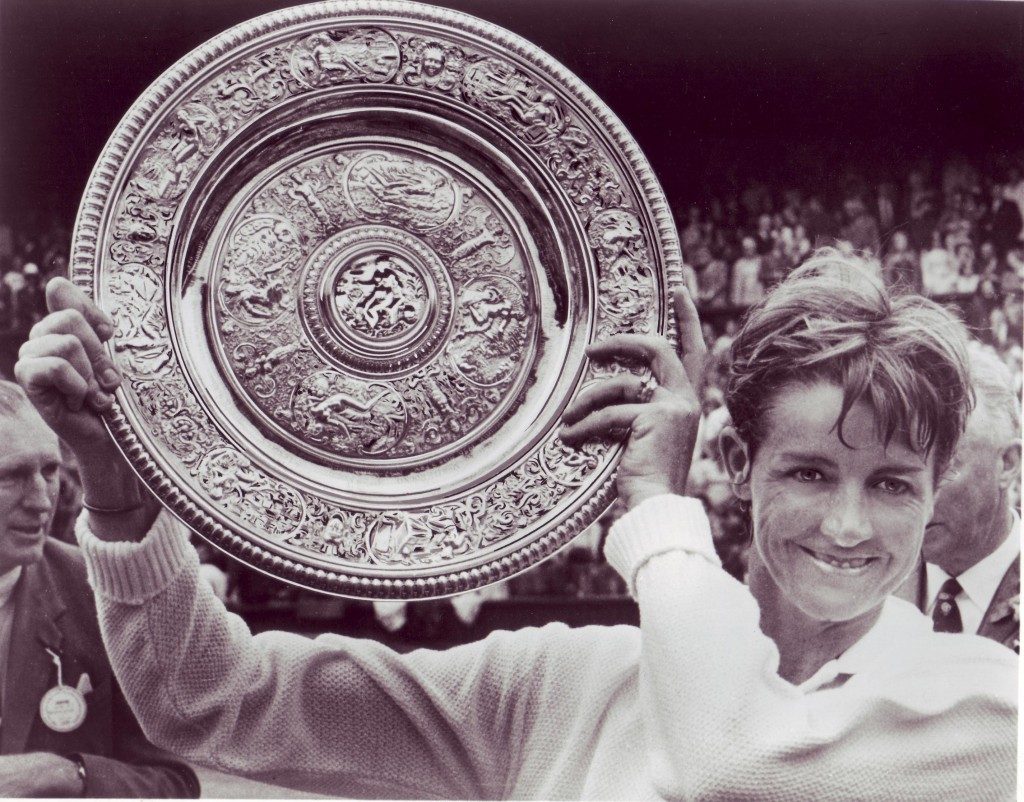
(1009, 464)
(736, 458)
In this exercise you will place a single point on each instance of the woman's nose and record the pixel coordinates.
(846, 522)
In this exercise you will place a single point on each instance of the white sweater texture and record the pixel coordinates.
(688, 706)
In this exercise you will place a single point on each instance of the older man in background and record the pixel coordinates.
(970, 580)
(65, 728)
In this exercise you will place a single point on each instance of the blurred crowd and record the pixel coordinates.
(954, 232)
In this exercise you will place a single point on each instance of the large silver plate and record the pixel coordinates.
(354, 252)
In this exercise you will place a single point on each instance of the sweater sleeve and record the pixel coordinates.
(721, 724)
(334, 715)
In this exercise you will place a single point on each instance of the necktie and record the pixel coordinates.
(946, 614)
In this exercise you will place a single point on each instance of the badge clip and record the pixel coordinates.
(63, 708)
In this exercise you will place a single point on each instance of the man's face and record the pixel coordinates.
(970, 506)
(837, 526)
(29, 483)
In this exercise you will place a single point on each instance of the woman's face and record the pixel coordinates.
(838, 527)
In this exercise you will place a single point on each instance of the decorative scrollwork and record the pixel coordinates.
(241, 489)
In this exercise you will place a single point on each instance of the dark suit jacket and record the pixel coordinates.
(55, 609)
(1001, 621)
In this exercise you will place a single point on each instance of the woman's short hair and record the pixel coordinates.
(833, 320)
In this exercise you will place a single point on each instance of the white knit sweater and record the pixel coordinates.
(687, 707)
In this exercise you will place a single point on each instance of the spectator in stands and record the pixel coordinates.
(901, 268)
(819, 224)
(1013, 191)
(712, 280)
(885, 207)
(746, 276)
(922, 209)
(775, 266)
(765, 235)
(861, 229)
(1002, 221)
(938, 270)
(692, 234)
(966, 278)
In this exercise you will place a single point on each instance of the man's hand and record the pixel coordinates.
(68, 376)
(662, 429)
(39, 774)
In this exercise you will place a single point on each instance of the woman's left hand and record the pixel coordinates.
(662, 425)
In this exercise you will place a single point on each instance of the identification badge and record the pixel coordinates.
(62, 708)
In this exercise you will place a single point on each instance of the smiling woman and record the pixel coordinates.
(847, 405)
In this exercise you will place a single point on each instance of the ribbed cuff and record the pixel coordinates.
(130, 572)
(655, 526)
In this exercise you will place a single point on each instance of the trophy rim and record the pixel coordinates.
(86, 254)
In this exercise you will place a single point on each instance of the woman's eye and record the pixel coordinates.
(894, 486)
(807, 474)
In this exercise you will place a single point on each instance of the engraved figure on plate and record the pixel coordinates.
(481, 240)
(256, 282)
(257, 363)
(496, 86)
(380, 295)
(433, 65)
(397, 189)
(626, 290)
(349, 416)
(137, 308)
(491, 330)
(331, 57)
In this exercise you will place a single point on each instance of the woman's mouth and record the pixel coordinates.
(833, 564)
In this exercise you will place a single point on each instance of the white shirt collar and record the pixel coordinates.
(897, 624)
(980, 581)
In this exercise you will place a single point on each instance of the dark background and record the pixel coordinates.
(714, 91)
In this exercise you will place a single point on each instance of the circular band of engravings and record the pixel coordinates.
(355, 253)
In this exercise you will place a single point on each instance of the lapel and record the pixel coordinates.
(30, 669)
(1001, 622)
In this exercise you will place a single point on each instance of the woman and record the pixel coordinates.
(809, 684)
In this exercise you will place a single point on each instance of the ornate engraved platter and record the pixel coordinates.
(354, 252)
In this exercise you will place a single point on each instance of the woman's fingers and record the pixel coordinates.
(657, 352)
(73, 321)
(604, 422)
(62, 294)
(69, 348)
(619, 389)
(691, 338)
(51, 380)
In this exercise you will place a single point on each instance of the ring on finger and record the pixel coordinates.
(645, 390)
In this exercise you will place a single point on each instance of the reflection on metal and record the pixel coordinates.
(354, 252)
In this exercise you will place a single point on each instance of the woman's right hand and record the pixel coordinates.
(64, 369)
(68, 376)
